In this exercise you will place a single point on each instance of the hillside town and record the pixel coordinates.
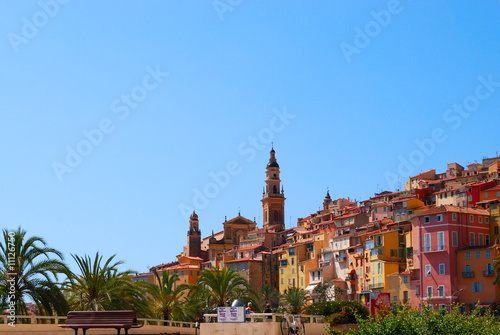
(433, 242)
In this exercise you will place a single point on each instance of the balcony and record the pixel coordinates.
(340, 258)
(433, 248)
(488, 273)
(351, 277)
(469, 274)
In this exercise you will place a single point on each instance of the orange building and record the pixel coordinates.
(476, 275)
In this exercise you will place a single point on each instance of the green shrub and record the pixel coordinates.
(338, 312)
(426, 321)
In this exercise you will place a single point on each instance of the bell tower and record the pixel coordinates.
(273, 199)
(194, 237)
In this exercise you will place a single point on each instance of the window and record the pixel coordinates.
(405, 296)
(244, 266)
(302, 281)
(454, 238)
(429, 291)
(427, 219)
(427, 242)
(416, 290)
(441, 291)
(454, 217)
(190, 273)
(480, 239)
(281, 271)
(487, 219)
(394, 253)
(293, 261)
(293, 271)
(182, 273)
(291, 251)
(427, 270)
(471, 239)
(496, 230)
(379, 268)
(471, 217)
(441, 268)
(440, 240)
(467, 254)
(289, 281)
(281, 281)
(375, 210)
(467, 271)
(405, 279)
(478, 253)
(488, 253)
(487, 239)
(480, 219)
(477, 287)
(439, 218)
(486, 195)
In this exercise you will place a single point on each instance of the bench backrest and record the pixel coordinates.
(101, 317)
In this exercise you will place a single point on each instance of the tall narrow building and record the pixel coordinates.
(194, 237)
(273, 200)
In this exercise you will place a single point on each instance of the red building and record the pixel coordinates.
(437, 235)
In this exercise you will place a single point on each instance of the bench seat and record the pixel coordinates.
(101, 319)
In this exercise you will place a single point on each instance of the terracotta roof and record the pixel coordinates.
(449, 208)
(422, 173)
(244, 260)
(249, 248)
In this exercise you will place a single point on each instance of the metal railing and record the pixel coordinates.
(468, 274)
(264, 317)
(35, 319)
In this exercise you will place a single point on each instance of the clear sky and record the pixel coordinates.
(116, 115)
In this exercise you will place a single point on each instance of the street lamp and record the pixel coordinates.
(457, 293)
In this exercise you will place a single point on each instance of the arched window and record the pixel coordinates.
(274, 189)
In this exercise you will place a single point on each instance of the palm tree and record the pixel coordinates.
(101, 286)
(295, 298)
(269, 294)
(166, 295)
(222, 285)
(29, 269)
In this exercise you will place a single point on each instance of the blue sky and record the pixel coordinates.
(115, 114)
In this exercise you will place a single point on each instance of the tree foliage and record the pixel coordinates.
(222, 285)
(102, 286)
(166, 296)
(295, 299)
(29, 270)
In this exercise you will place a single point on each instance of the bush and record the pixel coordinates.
(405, 320)
(338, 312)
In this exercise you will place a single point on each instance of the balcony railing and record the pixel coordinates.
(434, 248)
(488, 273)
(468, 274)
(377, 285)
(351, 277)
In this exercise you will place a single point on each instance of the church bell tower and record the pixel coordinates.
(273, 199)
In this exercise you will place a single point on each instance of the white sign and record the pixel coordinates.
(231, 314)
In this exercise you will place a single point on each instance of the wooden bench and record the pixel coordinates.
(101, 319)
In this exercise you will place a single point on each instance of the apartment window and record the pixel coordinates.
(291, 251)
(427, 219)
(379, 268)
(467, 254)
(439, 218)
(441, 291)
(281, 281)
(427, 270)
(427, 242)
(454, 238)
(375, 210)
(197, 273)
(480, 219)
(477, 287)
(480, 239)
(487, 239)
(293, 271)
(394, 253)
(243, 266)
(289, 281)
(441, 268)
(416, 290)
(487, 219)
(293, 261)
(471, 218)
(385, 209)
(478, 253)
(486, 195)
(190, 273)
(281, 271)
(405, 279)
(469, 197)
(471, 239)
(440, 240)
(405, 296)
(302, 281)
(182, 273)
(454, 217)
(488, 253)
(467, 270)
(429, 291)
(496, 230)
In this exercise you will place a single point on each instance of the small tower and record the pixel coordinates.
(273, 201)
(194, 237)
(327, 201)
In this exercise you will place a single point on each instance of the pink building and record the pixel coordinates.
(437, 235)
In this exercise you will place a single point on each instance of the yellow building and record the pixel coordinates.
(398, 286)
(387, 257)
